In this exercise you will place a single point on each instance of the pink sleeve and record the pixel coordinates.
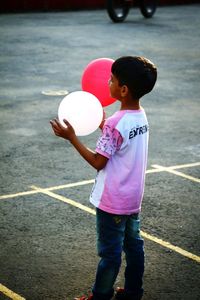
(109, 142)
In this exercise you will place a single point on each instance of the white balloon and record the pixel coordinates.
(82, 110)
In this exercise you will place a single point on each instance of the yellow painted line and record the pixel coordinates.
(70, 185)
(144, 234)
(47, 191)
(170, 170)
(58, 187)
(153, 171)
(18, 194)
(10, 293)
(171, 247)
(156, 169)
(64, 186)
(64, 199)
(85, 182)
(185, 166)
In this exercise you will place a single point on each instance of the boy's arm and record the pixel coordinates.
(103, 120)
(96, 160)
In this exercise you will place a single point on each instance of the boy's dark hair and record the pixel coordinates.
(138, 73)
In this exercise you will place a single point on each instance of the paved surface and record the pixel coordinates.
(48, 247)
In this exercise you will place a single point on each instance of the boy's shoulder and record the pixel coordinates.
(113, 120)
(117, 116)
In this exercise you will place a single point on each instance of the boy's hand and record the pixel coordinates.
(61, 131)
(96, 160)
(103, 120)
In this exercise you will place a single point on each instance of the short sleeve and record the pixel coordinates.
(109, 142)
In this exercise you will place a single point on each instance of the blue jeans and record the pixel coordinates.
(117, 233)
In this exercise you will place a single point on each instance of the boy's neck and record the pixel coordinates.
(130, 105)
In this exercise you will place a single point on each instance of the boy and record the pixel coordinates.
(120, 159)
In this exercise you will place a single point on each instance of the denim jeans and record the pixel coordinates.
(117, 233)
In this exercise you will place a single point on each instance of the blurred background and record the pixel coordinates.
(47, 5)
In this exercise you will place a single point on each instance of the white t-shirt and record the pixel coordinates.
(119, 187)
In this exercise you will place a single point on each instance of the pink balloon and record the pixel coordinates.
(95, 79)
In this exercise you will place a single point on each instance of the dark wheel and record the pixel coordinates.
(148, 7)
(118, 9)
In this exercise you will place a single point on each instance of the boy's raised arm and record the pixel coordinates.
(96, 160)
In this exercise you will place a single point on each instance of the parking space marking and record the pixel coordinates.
(64, 199)
(173, 171)
(9, 293)
(157, 169)
(48, 192)
(17, 194)
(171, 247)
(186, 166)
(144, 234)
(70, 185)
(58, 187)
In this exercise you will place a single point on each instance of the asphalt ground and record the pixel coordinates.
(48, 242)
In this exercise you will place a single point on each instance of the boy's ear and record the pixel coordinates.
(124, 90)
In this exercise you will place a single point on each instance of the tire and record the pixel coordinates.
(118, 9)
(148, 7)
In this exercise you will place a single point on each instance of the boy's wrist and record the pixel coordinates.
(73, 139)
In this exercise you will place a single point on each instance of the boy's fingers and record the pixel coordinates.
(67, 123)
(53, 124)
(53, 121)
(57, 122)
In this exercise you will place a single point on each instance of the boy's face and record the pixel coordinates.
(115, 89)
